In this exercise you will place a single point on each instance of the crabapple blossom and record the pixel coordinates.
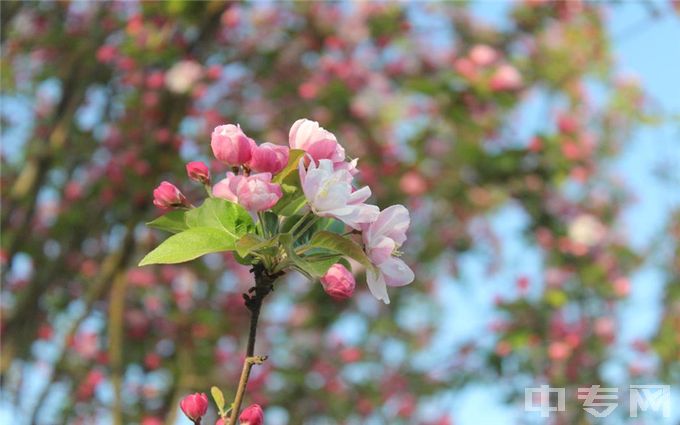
(194, 406)
(330, 194)
(252, 415)
(506, 78)
(338, 282)
(198, 171)
(382, 238)
(269, 158)
(318, 142)
(255, 193)
(182, 76)
(167, 195)
(231, 145)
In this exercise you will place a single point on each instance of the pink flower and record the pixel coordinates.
(330, 194)
(382, 239)
(252, 415)
(198, 171)
(254, 193)
(506, 77)
(258, 193)
(166, 195)
(269, 158)
(338, 282)
(221, 421)
(483, 55)
(315, 140)
(231, 146)
(194, 405)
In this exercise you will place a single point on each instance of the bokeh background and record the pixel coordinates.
(536, 144)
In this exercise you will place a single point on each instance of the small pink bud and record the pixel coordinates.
(166, 195)
(252, 415)
(338, 282)
(231, 146)
(194, 405)
(198, 171)
(269, 158)
(221, 421)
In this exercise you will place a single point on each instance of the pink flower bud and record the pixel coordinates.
(318, 142)
(194, 405)
(221, 421)
(269, 158)
(231, 146)
(198, 171)
(506, 77)
(252, 415)
(166, 195)
(338, 282)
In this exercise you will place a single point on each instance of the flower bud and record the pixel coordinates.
(338, 282)
(268, 158)
(318, 142)
(166, 195)
(194, 405)
(199, 172)
(231, 146)
(252, 415)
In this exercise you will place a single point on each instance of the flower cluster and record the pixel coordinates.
(325, 182)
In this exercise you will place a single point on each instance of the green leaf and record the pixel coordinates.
(190, 244)
(311, 268)
(172, 222)
(342, 245)
(291, 168)
(223, 215)
(250, 243)
(219, 398)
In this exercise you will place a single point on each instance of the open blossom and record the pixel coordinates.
(183, 75)
(254, 193)
(382, 239)
(330, 194)
(252, 415)
(338, 282)
(230, 145)
(318, 142)
(198, 171)
(269, 158)
(167, 195)
(483, 55)
(194, 405)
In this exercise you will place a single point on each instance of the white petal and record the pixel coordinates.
(396, 272)
(376, 284)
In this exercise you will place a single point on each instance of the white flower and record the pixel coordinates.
(587, 230)
(382, 239)
(182, 76)
(330, 194)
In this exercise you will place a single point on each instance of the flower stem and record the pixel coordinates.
(264, 284)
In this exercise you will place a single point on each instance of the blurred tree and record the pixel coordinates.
(102, 101)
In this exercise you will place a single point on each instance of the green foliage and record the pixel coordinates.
(213, 227)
